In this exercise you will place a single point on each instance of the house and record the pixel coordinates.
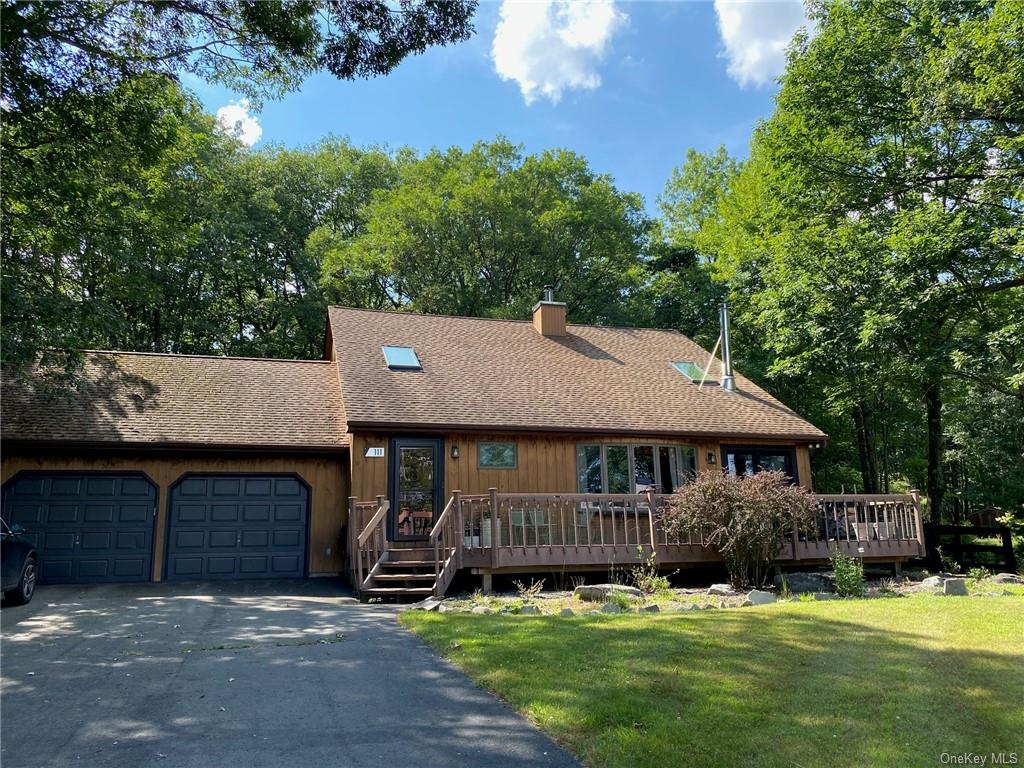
(419, 446)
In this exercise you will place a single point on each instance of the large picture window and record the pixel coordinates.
(633, 468)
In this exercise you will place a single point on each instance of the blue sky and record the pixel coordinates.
(629, 85)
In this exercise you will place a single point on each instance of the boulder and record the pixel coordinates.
(481, 609)
(430, 604)
(1006, 578)
(802, 581)
(933, 582)
(649, 609)
(611, 608)
(759, 597)
(721, 590)
(566, 612)
(685, 608)
(599, 593)
(955, 587)
(529, 610)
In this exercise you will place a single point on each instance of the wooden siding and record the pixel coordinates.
(549, 318)
(327, 477)
(545, 463)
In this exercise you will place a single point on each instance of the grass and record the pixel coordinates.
(892, 682)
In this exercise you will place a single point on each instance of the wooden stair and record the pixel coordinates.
(402, 573)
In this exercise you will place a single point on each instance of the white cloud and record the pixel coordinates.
(550, 46)
(234, 119)
(756, 34)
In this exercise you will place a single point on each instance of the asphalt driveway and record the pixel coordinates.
(253, 674)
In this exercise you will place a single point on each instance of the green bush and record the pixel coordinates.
(746, 519)
(620, 599)
(978, 574)
(848, 575)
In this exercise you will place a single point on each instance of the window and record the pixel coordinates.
(633, 468)
(692, 371)
(401, 358)
(742, 460)
(496, 455)
(588, 469)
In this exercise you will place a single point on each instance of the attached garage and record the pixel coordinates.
(237, 527)
(87, 527)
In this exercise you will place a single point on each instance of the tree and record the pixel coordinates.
(257, 48)
(479, 232)
(127, 221)
(883, 247)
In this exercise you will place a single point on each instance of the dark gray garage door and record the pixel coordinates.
(237, 527)
(87, 527)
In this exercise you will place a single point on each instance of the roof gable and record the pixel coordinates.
(501, 374)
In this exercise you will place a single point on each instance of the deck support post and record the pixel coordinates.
(486, 585)
(494, 527)
(353, 533)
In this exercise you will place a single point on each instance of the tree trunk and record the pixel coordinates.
(936, 482)
(866, 448)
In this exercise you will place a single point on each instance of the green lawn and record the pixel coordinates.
(891, 682)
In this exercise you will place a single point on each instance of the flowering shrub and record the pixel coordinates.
(746, 519)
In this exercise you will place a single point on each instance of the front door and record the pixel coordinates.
(415, 488)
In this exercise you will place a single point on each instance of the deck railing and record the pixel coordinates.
(367, 537)
(504, 531)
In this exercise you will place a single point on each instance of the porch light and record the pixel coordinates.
(711, 457)
(455, 451)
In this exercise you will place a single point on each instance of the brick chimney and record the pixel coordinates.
(549, 315)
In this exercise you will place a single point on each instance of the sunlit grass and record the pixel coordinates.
(892, 682)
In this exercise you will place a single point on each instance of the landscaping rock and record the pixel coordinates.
(825, 596)
(599, 593)
(1006, 578)
(650, 609)
(683, 608)
(955, 587)
(611, 608)
(933, 582)
(529, 610)
(759, 597)
(481, 609)
(805, 582)
(566, 612)
(721, 590)
(430, 604)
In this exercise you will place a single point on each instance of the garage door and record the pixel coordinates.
(86, 527)
(237, 527)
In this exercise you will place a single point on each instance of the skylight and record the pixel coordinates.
(402, 358)
(690, 370)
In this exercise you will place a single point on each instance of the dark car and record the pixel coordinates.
(18, 566)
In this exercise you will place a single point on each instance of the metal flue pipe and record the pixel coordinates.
(728, 382)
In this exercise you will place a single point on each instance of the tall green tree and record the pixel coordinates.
(875, 233)
(478, 232)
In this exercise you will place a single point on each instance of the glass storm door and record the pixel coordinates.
(415, 487)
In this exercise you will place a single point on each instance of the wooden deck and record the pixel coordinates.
(523, 532)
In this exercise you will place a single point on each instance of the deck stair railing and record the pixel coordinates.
(368, 540)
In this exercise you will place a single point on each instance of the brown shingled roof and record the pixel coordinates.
(183, 400)
(502, 374)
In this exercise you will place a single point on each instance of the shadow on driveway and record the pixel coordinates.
(245, 673)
